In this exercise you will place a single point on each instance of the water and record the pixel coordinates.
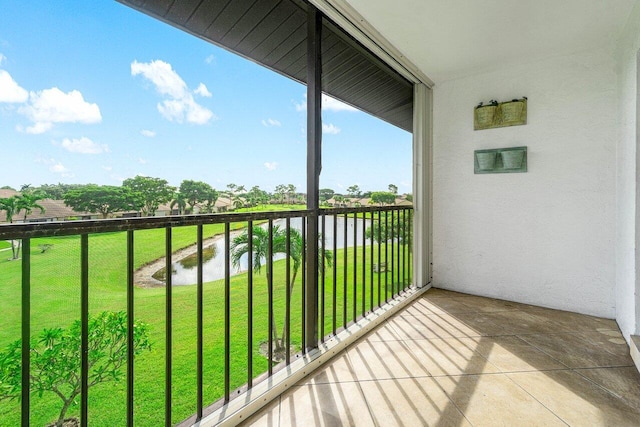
(213, 269)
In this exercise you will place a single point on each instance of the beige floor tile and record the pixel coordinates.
(269, 416)
(336, 370)
(422, 307)
(339, 404)
(511, 354)
(495, 400)
(450, 357)
(573, 321)
(411, 402)
(577, 400)
(452, 305)
(384, 332)
(384, 360)
(610, 340)
(622, 382)
(487, 304)
(442, 293)
(432, 326)
(481, 323)
(520, 322)
(576, 351)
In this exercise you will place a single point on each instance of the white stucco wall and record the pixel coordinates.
(627, 295)
(546, 237)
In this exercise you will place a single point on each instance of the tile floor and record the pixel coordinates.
(453, 359)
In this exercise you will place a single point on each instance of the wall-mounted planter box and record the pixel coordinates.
(511, 113)
(500, 160)
(486, 160)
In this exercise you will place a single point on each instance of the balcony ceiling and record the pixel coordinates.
(448, 39)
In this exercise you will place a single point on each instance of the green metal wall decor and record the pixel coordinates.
(500, 160)
(500, 114)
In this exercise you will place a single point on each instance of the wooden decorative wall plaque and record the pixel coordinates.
(500, 114)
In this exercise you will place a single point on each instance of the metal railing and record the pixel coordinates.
(365, 259)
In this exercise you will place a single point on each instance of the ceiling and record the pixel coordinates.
(273, 33)
(448, 39)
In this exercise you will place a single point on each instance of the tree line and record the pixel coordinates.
(146, 194)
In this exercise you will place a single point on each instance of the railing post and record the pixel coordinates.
(314, 164)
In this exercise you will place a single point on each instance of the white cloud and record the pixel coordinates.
(148, 133)
(2, 58)
(209, 59)
(10, 91)
(107, 168)
(180, 105)
(328, 104)
(142, 161)
(84, 146)
(330, 129)
(161, 74)
(50, 106)
(271, 166)
(271, 123)
(61, 169)
(58, 168)
(202, 91)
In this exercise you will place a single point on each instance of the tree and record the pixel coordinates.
(393, 189)
(260, 246)
(238, 202)
(103, 199)
(353, 191)
(57, 191)
(28, 201)
(180, 202)
(195, 192)
(291, 192)
(56, 358)
(383, 198)
(280, 192)
(10, 206)
(384, 230)
(151, 191)
(325, 194)
(209, 203)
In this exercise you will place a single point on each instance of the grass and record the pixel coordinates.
(4, 244)
(55, 301)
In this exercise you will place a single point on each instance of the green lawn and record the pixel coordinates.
(55, 301)
(4, 244)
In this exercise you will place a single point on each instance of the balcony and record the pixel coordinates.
(456, 359)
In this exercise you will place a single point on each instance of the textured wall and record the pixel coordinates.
(546, 237)
(627, 298)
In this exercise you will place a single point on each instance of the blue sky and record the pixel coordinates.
(93, 91)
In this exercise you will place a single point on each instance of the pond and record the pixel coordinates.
(184, 271)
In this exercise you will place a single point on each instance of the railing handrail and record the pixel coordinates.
(67, 228)
(77, 227)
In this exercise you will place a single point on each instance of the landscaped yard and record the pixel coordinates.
(55, 301)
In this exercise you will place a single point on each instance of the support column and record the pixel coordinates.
(314, 165)
(422, 186)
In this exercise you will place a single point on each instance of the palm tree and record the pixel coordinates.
(179, 201)
(14, 205)
(260, 247)
(10, 206)
(27, 202)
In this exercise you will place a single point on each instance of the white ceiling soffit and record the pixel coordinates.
(448, 39)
